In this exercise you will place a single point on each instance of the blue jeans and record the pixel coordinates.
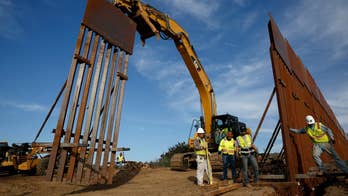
(228, 160)
(318, 148)
(245, 160)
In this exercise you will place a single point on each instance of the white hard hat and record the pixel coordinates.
(200, 130)
(310, 120)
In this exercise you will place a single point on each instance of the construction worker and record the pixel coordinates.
(220, 134)
(322, 139)
(248, 130)
(247, 151)
(227, 148)
(225, 131)
(201, 146)
(120, 159)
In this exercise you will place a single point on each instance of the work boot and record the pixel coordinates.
(248, 185)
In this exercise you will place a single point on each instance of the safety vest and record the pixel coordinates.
(202, 143)
(227, 147)
(120, 158)
(317, 134)
(246, 144)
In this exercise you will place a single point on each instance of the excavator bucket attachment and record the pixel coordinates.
(98, 72)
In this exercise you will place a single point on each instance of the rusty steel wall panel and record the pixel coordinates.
(82, 127)
(296, 64)
(298, 95)
(64, 106)
(102, 17)
(279, 43)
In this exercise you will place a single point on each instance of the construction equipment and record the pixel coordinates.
(23, 158)
(86, 136)
(152, 22)
(7, 166)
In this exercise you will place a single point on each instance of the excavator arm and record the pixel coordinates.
(151, 22)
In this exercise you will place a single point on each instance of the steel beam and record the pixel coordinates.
(90, 111)
(82, 109)
(112, 115)
(117, 124)
(50, 111)
(64, 107)
(264, 115)
(73, 107)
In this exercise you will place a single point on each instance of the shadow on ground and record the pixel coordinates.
(121, 177)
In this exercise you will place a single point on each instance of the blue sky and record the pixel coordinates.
(37, 39)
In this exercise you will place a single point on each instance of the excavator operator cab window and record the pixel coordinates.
(219, 123)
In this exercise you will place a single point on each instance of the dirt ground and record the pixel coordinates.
(147, 181)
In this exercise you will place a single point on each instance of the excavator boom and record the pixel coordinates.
(151, 22)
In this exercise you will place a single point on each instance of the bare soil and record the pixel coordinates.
(146, 181)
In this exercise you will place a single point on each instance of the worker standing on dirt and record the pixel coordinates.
(322, 139)
(247, 151)
(201, 146)
(227, 148)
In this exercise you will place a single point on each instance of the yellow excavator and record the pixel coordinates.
(23, 158)
(152, 22)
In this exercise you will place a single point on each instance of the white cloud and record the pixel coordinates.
(242, 75)
(24, 106)
(212, 42)
(172, 77)
(202, 10)
(240, 86)
(151, 65)
(10, 27)
(318, 29)
(321, 22)
(248, 104)
(338, 100)
(250, 20)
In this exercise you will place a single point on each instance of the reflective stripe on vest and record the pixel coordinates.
(227, 147)
(317, 135)
(244, 143)
(202, 143)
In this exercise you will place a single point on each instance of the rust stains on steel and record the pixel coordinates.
(111, 23)
(298, 95)
(105, 40)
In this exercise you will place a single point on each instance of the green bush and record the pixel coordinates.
(164, 160)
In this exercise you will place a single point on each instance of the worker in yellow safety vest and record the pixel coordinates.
(120, 159)
(323, 140)
(227, 148)
(200, 147)
(247, 151)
